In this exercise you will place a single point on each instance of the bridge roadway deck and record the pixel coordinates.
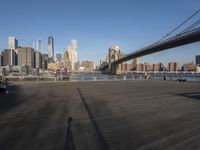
(115, 115)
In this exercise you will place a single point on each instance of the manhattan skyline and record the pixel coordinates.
(98, 25)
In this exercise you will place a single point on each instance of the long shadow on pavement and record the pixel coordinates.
(193, 95)
(104, 144)
(9, 99)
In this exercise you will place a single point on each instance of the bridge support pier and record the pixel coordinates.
(114, 68)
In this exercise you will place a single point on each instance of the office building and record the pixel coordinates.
(51, 48)
(147, 67)
(139, 67)
(198, 60)
(125, 67)
(59, 57)
(189, 67)
(158, 67)
(12, 43)
(39, 46)
(1, 60)
(26, 56)
(44, 61)
(9, 57)
(72, 56)
(37, 56)
(172, 67)
(6, 58)
(135, 62)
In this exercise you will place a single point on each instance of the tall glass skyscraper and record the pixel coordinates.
(50, 48)
(39, 46)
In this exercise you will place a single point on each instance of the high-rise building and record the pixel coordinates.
(135, 62)
(37, 59)
(12, 43)
(198, 60)
(51, 48)
(39, 46)
(59, 57)
(72, 55)
(172, 67)
(26, 56)
(44, 60)
(1, 60)
(9, 57)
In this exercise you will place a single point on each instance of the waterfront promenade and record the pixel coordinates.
(110, 115)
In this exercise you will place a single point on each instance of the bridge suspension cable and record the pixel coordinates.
(191, 27)
(175, 29)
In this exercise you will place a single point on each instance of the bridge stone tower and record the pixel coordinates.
(114, 54)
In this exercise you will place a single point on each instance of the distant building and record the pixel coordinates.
(88, 65)
(57, 65)
(12, 43)
(198, 60)
(77, 65)
(172, 67)
(147, 67)
(37, 60)
(66, 60)
(59, 57)
(135, 62)
(198, 69)
(26, 56)
(1, 60)
(51, 48)
(139, 67)
(72, 55)
(44, 61)
(125, 67)
(158, 67)
(9, 57)
(39, 46)
(189, 67)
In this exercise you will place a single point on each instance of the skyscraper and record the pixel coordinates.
(9, 57)
(59, 56)
(44, 59)
(198, 60)
(1, 62)
(72, 55)
(50, 48)
(37, 59)
(26, 56)
(12, 43)
(39, 46)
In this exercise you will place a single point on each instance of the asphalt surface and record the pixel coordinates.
(112, 115)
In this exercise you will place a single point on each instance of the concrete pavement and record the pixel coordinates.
(115, 115)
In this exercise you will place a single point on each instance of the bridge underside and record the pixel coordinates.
(173, 42)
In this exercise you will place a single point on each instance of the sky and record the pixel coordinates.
(99, 24)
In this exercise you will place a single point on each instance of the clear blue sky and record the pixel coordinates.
(98, 24)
